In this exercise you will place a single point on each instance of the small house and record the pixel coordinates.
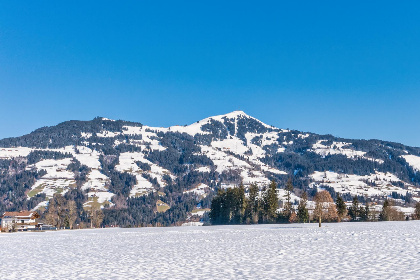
(19, 221)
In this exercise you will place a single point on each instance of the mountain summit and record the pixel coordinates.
(114, 163)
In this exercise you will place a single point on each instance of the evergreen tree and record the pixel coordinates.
(341, 207)
(391, 213)
(238, 204)
(417, 211)
(228, 207)
(354, 209)
(364, 213)
(271, 203)
(252, 205)
(215, 214)
(303, 213)
(288, 209)
(261, 213)
(384, 216)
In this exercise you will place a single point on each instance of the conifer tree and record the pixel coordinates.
(364, 213)
(228, 206)
(271, 203)
(384, 216)
(354, 209)
(287, 212)
(238, 204)
(303, 213)
(252, 205)
(215, 214)
(341, 207)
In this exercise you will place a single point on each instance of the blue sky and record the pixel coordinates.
(351, 69)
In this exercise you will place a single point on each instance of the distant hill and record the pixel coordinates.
(128, 167)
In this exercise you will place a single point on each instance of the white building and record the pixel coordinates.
(23, 220)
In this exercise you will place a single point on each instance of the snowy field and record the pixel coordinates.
(386, 250)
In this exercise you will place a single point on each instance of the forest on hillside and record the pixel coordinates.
(181, 154)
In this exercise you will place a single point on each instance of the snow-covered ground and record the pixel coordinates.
(385, 250)
(199, 190)
(127, 163)
(412, 160)
(335, 149)
(57, 180)
(384, 183)
(8, 153)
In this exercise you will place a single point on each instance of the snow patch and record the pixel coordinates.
(127, 163)
(203, 169)
(106, 133)
(199, 190)
(335, 149)
(413, 161)
(192, 224)
(149, 137)
(102, 196)
(9, 153)
(57, 180)
(234, 144)
(96, 180)
(379, 183)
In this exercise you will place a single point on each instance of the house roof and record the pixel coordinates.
(27, 214)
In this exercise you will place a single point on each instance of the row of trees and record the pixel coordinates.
(63, 212)
(232, 206)
(360, 212)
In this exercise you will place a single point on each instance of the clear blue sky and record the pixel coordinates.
(348, 68)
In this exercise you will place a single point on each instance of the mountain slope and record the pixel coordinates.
(115, 162)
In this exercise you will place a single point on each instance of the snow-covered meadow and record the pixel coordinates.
(385, 250)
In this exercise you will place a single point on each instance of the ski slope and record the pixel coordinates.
(385, 250)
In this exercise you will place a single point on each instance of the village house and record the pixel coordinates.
(19, 221)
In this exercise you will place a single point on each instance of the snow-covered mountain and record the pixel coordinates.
(109, 159)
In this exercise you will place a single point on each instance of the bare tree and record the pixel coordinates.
(71, 213)
(52, 216)
(417, 211)
(56, 211)
(390, 212)
(61, 212)
(95, 212)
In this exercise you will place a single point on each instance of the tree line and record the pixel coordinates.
(232, 206)
(255, 206)
(69, 211)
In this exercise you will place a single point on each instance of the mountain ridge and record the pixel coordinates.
(110, 161)
(233, 113)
